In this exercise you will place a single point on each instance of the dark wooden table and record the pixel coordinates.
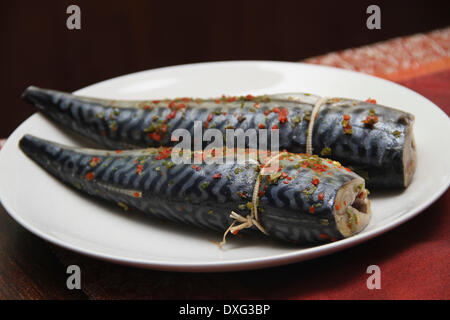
(28, 267)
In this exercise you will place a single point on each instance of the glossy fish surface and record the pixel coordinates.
(374, 140)
(306, 200)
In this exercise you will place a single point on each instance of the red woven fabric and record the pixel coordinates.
(398, 59)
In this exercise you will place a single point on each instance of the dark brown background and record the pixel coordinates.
(122, 37)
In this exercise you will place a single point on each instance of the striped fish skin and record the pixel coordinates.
(298, 205)
(383, 152)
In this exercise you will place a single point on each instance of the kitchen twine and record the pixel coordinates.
(252, 219)
(314, 113)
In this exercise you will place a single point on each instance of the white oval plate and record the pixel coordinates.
(64, 217)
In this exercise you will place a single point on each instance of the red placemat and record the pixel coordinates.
(413, 258)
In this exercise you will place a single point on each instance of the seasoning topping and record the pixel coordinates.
(346, 124)
(371, 119)
(89, 176)
(325, 151)
(94, 161)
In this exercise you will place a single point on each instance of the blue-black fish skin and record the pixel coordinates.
(376, 151)
(197, 195)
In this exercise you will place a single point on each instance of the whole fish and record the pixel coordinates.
(375, 141)
(306, 200)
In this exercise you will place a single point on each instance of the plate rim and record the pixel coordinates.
(237, 264)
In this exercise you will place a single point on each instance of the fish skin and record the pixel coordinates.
(186, 195)
(374, 152)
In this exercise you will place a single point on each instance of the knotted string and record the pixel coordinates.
(252, 219)
(315, 111)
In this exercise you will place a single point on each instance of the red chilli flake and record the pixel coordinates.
(89, 176)
(172, 115)
(155, 136)
(373, 101)
(311, 209)
(320, 196)
(370, 120)
(249, 97)
(94, 161)
(261, 126)
(217, 176)
(164, 153)
(346, 117)
(315, 182)
(139, 169)
(275, 127)
(137, 194)
(282, 117)
(324, 236)
(210, 116)
(118, 151)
